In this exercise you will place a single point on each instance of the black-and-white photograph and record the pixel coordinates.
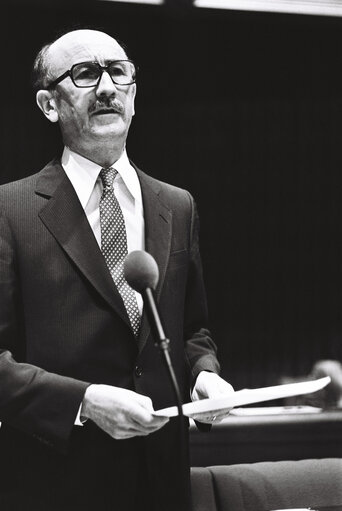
(171, 255)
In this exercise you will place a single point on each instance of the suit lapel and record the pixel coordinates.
(158, 231)
(63, 215)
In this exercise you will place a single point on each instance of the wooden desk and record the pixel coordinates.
(268, 438)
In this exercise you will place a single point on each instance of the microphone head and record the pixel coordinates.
(141, 270)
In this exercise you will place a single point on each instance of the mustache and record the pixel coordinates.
(107, 104)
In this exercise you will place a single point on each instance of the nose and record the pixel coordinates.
(106, 86)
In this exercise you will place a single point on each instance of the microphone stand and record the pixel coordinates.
(163, 343)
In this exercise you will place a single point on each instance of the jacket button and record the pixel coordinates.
(138, 371)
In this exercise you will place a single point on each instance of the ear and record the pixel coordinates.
(47, 104)
(134, 91)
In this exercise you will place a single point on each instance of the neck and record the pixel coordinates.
(102, 155)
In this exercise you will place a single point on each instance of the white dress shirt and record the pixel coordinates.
(84, 177)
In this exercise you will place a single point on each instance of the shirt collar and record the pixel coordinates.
(83, 174)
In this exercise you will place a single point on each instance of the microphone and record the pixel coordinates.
(141, 270)
(142, 274)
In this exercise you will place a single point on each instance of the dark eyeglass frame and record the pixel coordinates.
(53, 84)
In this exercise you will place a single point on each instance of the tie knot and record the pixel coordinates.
(107, 177)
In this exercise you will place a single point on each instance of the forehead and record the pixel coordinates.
(83, 45)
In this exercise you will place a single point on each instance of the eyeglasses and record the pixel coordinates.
(88, 74)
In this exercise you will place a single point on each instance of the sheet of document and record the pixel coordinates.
(274, 410)
(244, 397)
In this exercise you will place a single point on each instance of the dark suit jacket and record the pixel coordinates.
(63, 326)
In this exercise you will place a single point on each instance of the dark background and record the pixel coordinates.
(245, 111)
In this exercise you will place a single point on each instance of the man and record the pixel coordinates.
(75, 344)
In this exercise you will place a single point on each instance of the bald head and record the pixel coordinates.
(53, 58)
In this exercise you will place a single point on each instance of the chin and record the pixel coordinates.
(109, 131)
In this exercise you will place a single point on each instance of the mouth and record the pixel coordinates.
(106, 111)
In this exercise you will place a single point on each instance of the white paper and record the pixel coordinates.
(244, 397)
(274, 410)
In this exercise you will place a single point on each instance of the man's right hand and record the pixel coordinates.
(120, 412)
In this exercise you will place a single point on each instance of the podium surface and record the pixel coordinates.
(250, 439)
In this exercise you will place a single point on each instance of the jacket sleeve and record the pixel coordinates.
(200, 348)
(39, 403)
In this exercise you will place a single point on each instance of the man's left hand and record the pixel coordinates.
(211, 385)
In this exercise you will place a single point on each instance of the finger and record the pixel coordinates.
(210, 385)
(210, 418)
(153, 425)
(125, 434)
(219, 418)
(136, 429)
(202, 417)
(144, 401)
(195, 395)
(225, 387)
(146, 419)
(218, 387)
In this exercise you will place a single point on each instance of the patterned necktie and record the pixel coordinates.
(114, 244)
